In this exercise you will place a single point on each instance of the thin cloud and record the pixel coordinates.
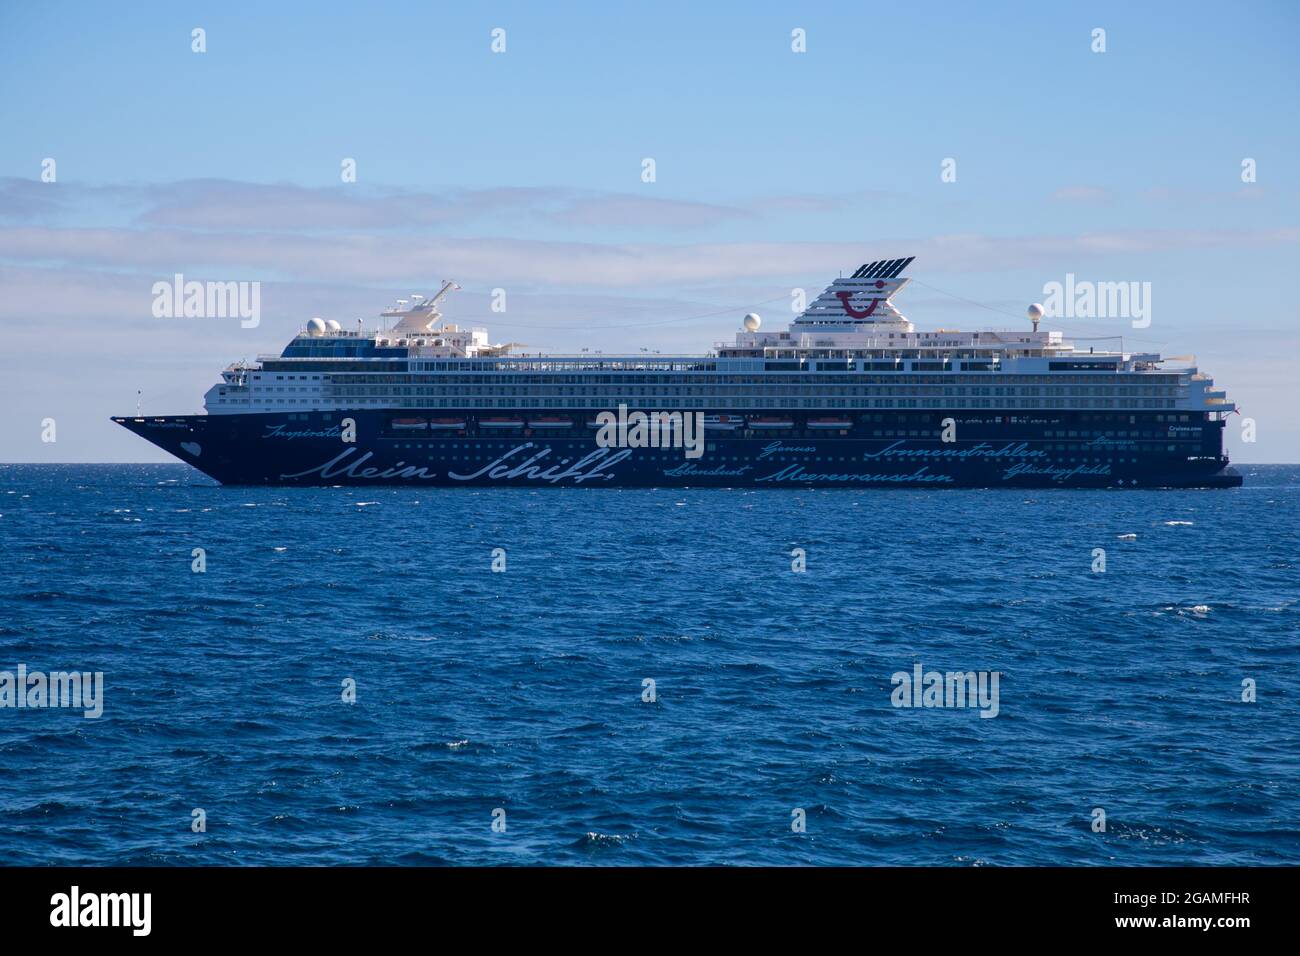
(601, 211)
(215, 205)
(815, 204)
(559, 263)
(1083, 194)
(1164, 194)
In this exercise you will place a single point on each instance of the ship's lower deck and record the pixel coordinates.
(931, 449)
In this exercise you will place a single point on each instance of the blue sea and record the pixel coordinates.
(522, 697)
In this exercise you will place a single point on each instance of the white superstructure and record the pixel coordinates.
(849, 350)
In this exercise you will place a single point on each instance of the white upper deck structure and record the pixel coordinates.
(849, 349)
(857, 315)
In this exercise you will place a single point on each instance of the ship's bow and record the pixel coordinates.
(183, 436)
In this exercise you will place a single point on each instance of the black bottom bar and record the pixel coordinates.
(930, 906)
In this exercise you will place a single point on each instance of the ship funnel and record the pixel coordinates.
(860, 301)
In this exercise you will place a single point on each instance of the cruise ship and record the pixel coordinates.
(850, 395)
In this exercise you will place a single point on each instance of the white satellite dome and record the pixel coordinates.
(1035, 312)
(315, 327)
(333, 325)
(752, 322)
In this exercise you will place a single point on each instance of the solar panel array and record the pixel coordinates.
(883, 268)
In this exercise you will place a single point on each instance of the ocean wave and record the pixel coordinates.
(522, 691)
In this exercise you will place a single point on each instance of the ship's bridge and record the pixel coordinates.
(416, 331)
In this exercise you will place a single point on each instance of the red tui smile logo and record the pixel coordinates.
(859, 313)
(856, 313)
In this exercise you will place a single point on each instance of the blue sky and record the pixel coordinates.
(522, 170)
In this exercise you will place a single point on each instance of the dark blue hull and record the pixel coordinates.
(879, 450)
